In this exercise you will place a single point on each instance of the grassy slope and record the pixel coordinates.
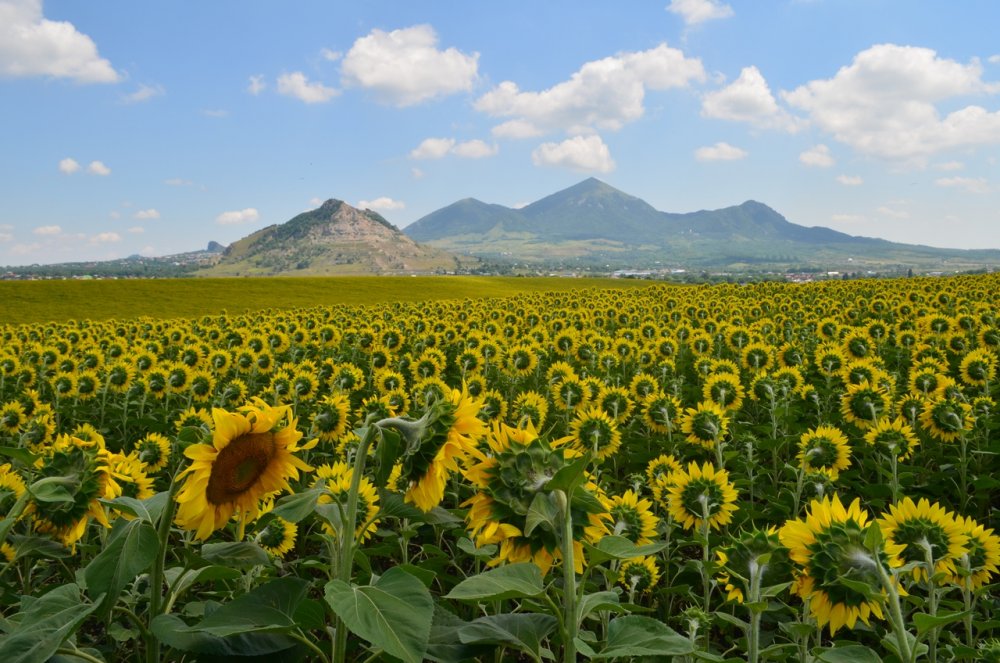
(56, 301)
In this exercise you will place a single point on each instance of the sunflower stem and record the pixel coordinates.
(156, 574)
(896, 614)
(345, 559)
(570, 622)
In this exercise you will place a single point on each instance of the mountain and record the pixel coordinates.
(333, 239)
(593, 223)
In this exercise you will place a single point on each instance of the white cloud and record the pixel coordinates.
(720, 152)
(381, 204)
(6, 237)
(580, 153)
(297, 85)
(884, 103)
(993, 59)
(893, 212)
(105, 238)
(432, 148)
(818, 156)
(404, 67)
(332, 56)
(146, 214)
(950, 165)
(32, 45)
(177, 181)
(98, 168)
(68, 166)
(257, 85)
(315, 202)
(47, 230)
(6, 226)
(850, 180)
(749, 99)
(144, 93)
(602, 94)
(474, 149)
(516, 129)
(699, 11)
(238, 216)
(136, 230)
(970, 184)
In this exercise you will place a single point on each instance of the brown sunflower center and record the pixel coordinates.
(239, 465)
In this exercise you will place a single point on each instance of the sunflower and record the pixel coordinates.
(251, 455)
(521, 360)
(699, 492)
(447, 433)
(723, 389)
(705, 425)
(277, 537)
(529, 406)
(864, 404)
(493, 406)
(978, 367)
(90, 481)
(642, 386)
(946, 418)
(824, 449)
(638, 575)
(828, 545)
(916, 525)
(631, 517)
(981, 560)
(755, 553)
(337, 478)
(569, 393)
(895, 436)
(12, 418)
(509, 481)
(11, 481)
(661, 413)
(194, 417)
(331, 418)
(925, 381)
(616, 403)
(757, 356)
(118, 377)
(153, 452)
(130, 475)
(593, 430)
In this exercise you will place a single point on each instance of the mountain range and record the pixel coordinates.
(595, 223)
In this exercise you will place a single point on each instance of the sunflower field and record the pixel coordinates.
(771, 472)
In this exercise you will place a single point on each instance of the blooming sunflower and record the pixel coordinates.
(448, 431)
(12, 418)
(509, 481)
(981, 560)
(251, 455)
(723, 389)
(90, 481)
(337, 479)
(154, 452)
(616, 403)
(895, 436)
(946, 418)
(331, 418)
(914, 525)
(864, 404)
(662, 413)
(699, 491)
(278, 536)
(824, 449)
(11, 481)
(631, 517)
(638, 575)
(828, 545)
(529, 406)
(593, 430)
(705, 424)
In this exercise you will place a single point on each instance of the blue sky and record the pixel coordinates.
(153, 127)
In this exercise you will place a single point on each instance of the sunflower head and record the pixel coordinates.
(593, 430)
(631, 517)
(639, 575)
(946, 418)
(824, 449)
(981, 559)
(705, 425)
(927, 532)
(702, 492)
(894, 437)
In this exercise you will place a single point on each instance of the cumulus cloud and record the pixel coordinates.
(106, 238)
(950, 165)
(438, 148)
(580, 153)
(432, 148)
(970, 184)
(850, 180)
(238, 216)
(68, 166)
(297, 85)
(146, 214)
(885, 103)
(602, 94)
(256, 85)
(516, 129)
(893, 212)
(144, 93)
(405, 67)
(720, 152)
(474, 149)
(47, 230)
(381, 204)
(98, 168)
(818, 156)
(32, 45)
(6, 237)
(699, 11)
(749, 99)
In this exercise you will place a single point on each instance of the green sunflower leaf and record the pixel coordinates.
(237, 554)
(618, 547)
(130, 549)
(569, 476)
(44, 624)
(269, 608)
(512, 581)
(925, 622)
(394, 613)
(635, 635)
(387, 452)
(524, 632)
(848, 654)
(53, 489)
(543, 512)
(297, 506)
